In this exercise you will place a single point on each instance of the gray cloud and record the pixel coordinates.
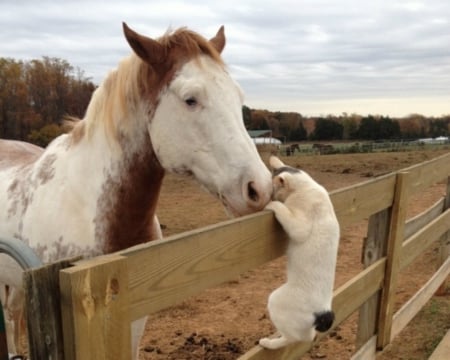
(310, 56)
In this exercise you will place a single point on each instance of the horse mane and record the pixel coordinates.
(122, 91)
(190, 44)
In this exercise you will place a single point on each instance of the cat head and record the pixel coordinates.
(286, 179)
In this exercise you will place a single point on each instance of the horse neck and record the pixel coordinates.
(127, 201)
(115, 134)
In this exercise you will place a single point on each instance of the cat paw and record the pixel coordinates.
(273, 206)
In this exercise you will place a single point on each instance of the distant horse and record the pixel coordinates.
(290, 149)
(323, 148)
(293, 147)
(170, 106)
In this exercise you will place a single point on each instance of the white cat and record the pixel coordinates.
(302, 305)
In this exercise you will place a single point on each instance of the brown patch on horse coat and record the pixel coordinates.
(46, 170)
(127, 205)
(59, 249)
(20, 192)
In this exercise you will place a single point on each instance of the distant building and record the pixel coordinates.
(437, 140)
(261, 137)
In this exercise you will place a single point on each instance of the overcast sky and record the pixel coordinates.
(316, 57)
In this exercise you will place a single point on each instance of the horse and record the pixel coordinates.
(290, 149)
(170, 106)
(323, 148)
(294, 147)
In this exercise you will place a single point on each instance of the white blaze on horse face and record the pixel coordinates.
(198, 129)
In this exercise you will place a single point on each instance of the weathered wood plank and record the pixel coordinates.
(95, 309)
(367, 351)
(350, 296)
(393, 254)
(346, 300)
(442, 351)
(359, 201)
(417, 222)
(374, 249)
(444, 242)
(42, 305)
(417, 302)
(169, 271)
(362, 200)
(418, 242)
(429, 172)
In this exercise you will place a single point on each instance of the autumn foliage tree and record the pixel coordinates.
(35, 96)
(289, 126)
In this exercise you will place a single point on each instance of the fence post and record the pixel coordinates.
(43, 311)
(374, 249)
(95, 311)
(393, 253)
(444, 246)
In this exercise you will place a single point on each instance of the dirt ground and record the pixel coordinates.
(225, 322)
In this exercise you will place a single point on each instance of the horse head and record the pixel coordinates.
(196, 126)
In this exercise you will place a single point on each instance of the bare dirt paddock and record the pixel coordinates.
(224, 322)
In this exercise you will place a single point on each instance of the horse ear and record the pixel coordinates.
(147, 49)
(218, 41)
(275, 163)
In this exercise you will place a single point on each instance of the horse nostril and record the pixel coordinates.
(252, 193)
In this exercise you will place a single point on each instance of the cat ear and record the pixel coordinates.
(280, 181)
(275, 163)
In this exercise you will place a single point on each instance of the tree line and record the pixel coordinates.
(291, 126)
(36, 95)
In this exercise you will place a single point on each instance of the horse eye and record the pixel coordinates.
(191, 102)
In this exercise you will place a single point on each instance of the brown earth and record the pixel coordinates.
(226, 321)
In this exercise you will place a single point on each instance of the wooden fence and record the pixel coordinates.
(100, 297)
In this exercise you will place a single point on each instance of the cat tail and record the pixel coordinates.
(323, 320)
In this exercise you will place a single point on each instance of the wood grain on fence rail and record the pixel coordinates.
(418, 301)
(429, 172)
(393, 253)
(418, 242)
(45, 334)
(165, 272)
(95, 309)
(374, 248)
(358, 202)
(417, 222)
